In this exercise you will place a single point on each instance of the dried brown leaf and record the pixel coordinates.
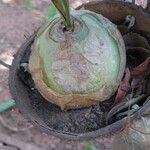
(142, 69)
(124, 87)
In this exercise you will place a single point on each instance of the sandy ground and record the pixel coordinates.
(16, 23)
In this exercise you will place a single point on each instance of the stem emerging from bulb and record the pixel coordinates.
(63, 8)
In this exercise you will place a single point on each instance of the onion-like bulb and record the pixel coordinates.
(79, 67)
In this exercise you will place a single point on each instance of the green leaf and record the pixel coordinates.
(63, 8)
(6, 105)
(67, 11)
(89, 146)
(27, 4)
(52, 11)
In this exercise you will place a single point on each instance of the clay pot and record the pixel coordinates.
(49, 117)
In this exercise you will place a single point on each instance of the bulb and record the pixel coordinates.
(78, 67)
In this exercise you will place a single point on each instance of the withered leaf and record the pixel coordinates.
(124, 86)
(142, 69)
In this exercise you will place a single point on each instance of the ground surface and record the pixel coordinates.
(16, 23)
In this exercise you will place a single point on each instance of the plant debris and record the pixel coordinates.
(124, 87)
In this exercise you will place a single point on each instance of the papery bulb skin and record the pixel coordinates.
(79, 67)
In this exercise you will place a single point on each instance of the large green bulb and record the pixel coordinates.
(89, 59)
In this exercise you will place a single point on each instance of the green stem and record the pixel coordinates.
(68, 21)
(63, 8)
(6, 105)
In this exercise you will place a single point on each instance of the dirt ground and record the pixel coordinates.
(17, 23)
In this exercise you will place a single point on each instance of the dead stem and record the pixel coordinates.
(122, 106)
